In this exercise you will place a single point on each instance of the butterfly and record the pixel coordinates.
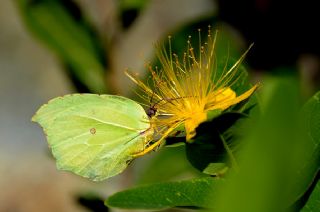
(94, 136)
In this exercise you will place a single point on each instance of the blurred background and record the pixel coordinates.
(50, 48)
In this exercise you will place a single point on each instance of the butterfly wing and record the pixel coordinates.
(94, 136)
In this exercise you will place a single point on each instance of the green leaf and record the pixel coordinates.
(313, 203)
(188, 193)
(52, 23)
(209, 149)
(216, 169)
(169, 163)
(310, 153)
(205, 152)
(94, 136)
(213, 114)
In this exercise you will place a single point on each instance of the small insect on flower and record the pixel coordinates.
(187, 89)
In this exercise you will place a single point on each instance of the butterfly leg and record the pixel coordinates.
(148, 149)
(155, 144)
(177, 133)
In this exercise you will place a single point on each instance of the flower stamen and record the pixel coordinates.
(185, 91)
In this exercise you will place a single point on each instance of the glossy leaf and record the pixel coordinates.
(313, 203)
(188, 193)
(310, 164)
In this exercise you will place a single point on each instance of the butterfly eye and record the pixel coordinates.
(151, 112)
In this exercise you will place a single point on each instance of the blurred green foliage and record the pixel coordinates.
(130, 10)
(70, 38)
(267, 161)
(188, 193)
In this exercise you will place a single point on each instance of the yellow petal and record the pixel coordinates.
(232, 101)
(192, 123)
(225, 94)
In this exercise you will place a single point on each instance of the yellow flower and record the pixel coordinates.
(184, 91)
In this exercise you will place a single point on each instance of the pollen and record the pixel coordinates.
(188, 86)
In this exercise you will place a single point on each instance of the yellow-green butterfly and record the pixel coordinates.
(94, 136)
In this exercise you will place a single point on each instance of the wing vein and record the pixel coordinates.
(109, 123)
(97, 155)
(68, 139)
